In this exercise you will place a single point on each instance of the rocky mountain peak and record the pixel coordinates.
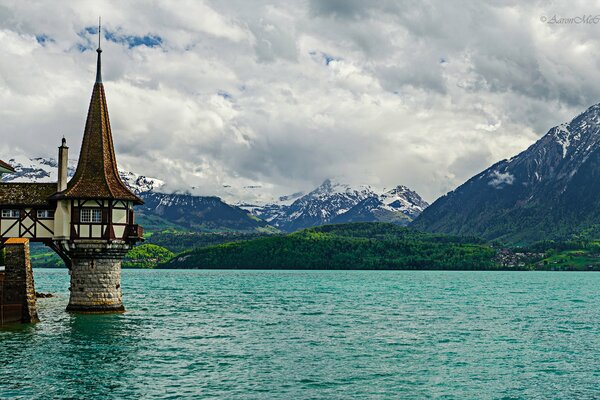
(550, 190)
(335, 201)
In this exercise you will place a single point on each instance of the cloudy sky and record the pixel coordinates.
(285, 94)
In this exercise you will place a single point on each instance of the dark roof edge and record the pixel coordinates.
(61, 196)
(7, 166)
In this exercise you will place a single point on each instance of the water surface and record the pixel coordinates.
(315, 334)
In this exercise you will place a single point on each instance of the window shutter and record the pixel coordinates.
(76, 215)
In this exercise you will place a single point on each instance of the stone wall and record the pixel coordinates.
(17, 290)
(95, 268)
(95, 285)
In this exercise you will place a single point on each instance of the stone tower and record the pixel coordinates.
(88, 221)
(94, 220)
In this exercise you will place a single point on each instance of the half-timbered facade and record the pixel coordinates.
(26, 211)
(104, 219)
(94, 204)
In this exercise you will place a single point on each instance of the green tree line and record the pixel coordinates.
(345, 246)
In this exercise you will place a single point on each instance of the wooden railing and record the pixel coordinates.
(135, 232)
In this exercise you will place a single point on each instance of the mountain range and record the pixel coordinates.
(549, 191)
(335, 202)
(331, 202)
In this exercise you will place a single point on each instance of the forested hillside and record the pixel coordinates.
(345, 246)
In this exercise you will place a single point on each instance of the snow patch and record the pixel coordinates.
(562, 136)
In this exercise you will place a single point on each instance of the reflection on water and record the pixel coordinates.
(314, 334)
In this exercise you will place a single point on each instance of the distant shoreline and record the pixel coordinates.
(503, 269)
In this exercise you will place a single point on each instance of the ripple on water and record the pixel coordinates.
(314, 334)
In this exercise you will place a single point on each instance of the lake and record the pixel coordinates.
(314, 334)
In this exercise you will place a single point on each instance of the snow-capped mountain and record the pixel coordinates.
(550, 190)
(402, 199)
(36, 169)
(331, 202)
(318, 207)
(250, 199)
(197, 213)
(140, 184)
(46, 170)
(334, 202)
(399, 205)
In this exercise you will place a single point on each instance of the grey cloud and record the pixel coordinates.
(428, 77)
(339, 8)
(383, 110)
(274, 42)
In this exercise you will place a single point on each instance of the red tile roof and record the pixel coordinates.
(26, 194)
(97, 176)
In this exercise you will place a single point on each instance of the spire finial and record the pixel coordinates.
(99, 50)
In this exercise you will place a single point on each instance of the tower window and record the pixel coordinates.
(45, 214)
(91, 215)
(11, 213)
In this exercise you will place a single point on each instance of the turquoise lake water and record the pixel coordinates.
(315, 334)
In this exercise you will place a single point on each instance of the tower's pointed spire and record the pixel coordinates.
(97, 176)
(99, 51)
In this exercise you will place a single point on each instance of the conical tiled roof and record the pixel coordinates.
(97, 176)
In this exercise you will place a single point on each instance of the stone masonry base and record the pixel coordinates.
(96, 285)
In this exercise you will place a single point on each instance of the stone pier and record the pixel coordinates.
(96, 277)
(17, 290)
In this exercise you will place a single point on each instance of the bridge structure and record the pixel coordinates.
(88, 220)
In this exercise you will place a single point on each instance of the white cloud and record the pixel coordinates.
(501, 179)
(285, 95)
